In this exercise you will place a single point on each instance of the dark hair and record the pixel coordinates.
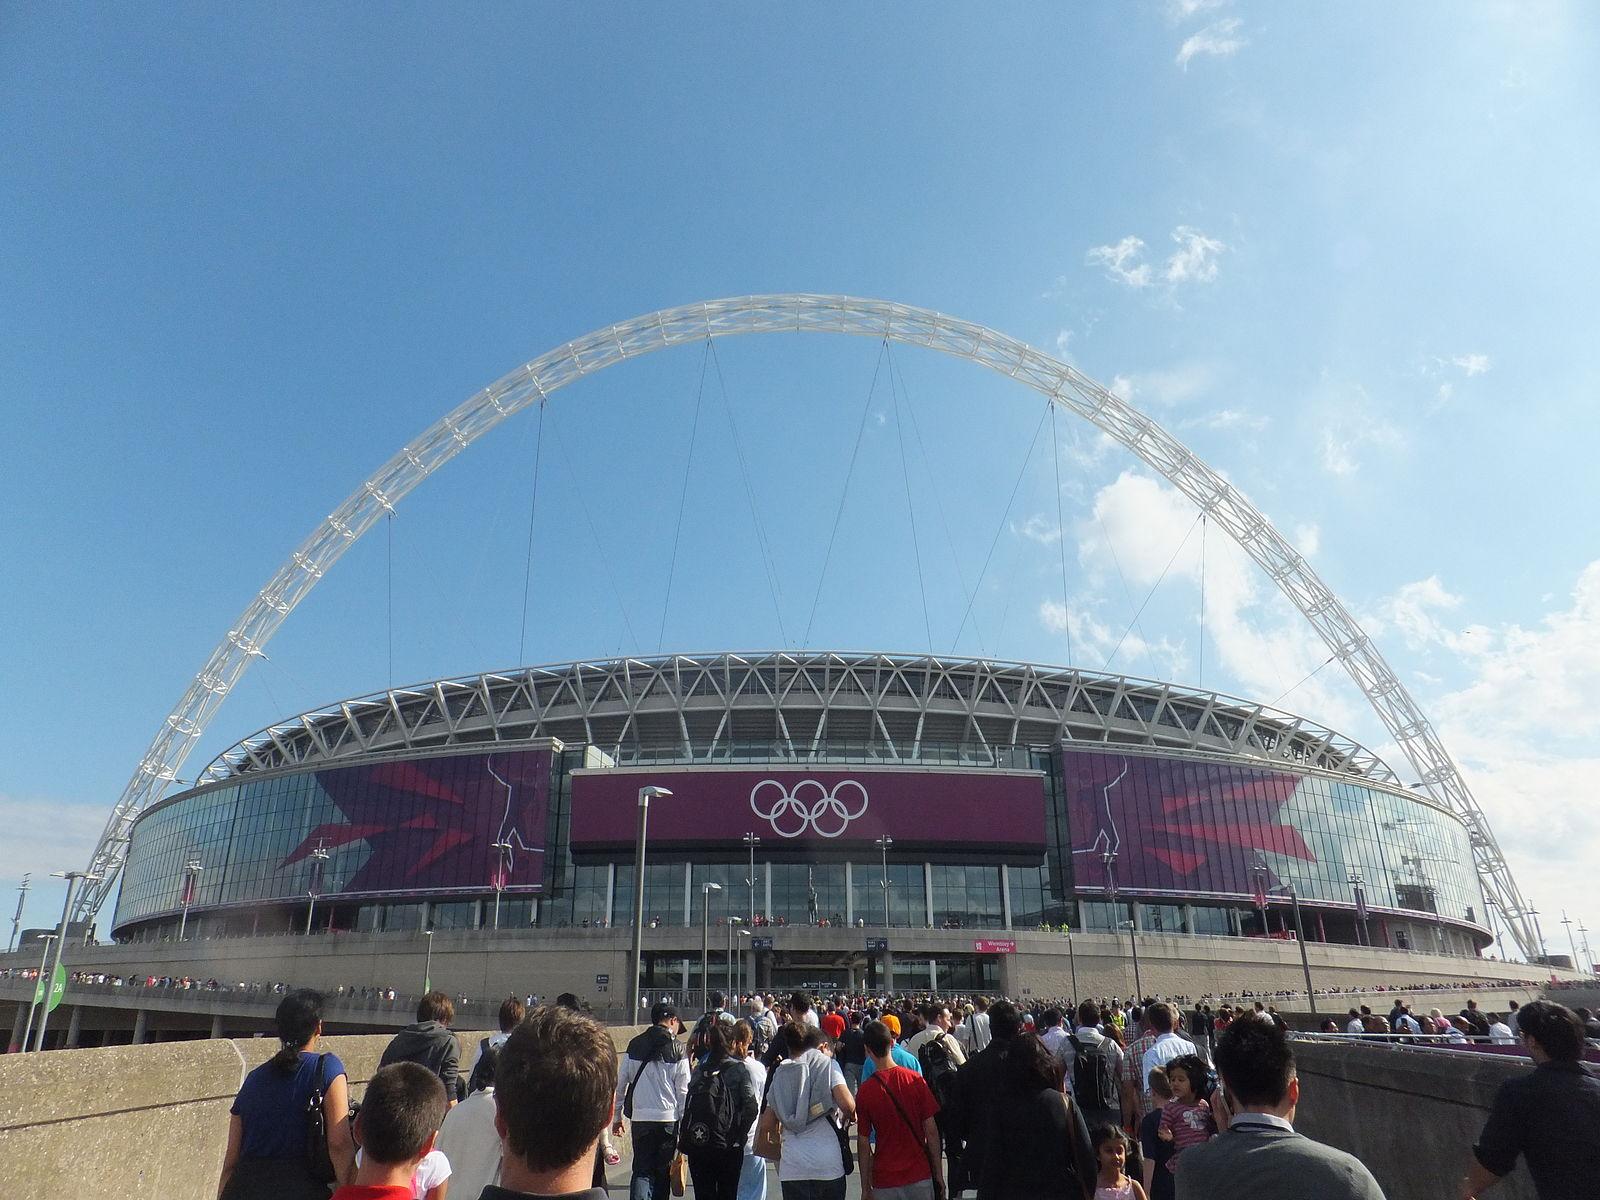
(512, 1011)
(1194, 1069)
(1101, 1134)
(1161, 1016)
(800, 1001)
(717, 999)
(716, 1041)
(299, 1017)
(1030, 1067)
(1555, 1027)
(1256, 1062)
(791, 1037)
(570, 1000)
(555, 1079)
(1160, 1085)
(878, 1038)
(1088, 1014)
(1050, 1018)
(1004, 1020)
(403, 1105)
(436, 1006)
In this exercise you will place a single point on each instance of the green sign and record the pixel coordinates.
(58, 988)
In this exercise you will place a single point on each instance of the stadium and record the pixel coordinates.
(990, 825)
(823, 791)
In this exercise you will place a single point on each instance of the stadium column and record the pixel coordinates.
(850, 896)
(1005, 896)
(16, 1027)
(216, 1027)
(74, 1027)
(927, 891)
(141, 1026)
(1188, 918)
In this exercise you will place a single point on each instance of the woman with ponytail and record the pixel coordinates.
(271, 1152)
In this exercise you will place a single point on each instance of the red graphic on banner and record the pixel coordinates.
(1174, 825)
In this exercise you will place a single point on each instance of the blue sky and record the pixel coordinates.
(1346, 254)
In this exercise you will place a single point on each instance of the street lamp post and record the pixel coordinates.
(44, 957)
(883, 844)
(1356, 886)
(191, 876)
(16, 921)
(1538, 931)
(745, 933)
(1588, 954)
(1133, 941)
(1260, 867)
(73, 878)
(1567, 921)
(319, 863)
(645, 793)
(705, 943)
(427, 964)
(1072, 959)
(751, 841)
(503, 852)
(733, 928)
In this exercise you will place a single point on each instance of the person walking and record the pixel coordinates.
(1549, 1117)
(897, 1137)
(269, 1152)
(652, 1082)
(1038, 1145)
(1260, 1156)
(1095, 1062)
(808, 1107)
(719, 1113)
(753, 1170)
(429, 1042)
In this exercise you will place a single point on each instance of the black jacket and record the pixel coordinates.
(433, 1046)
(1038, 1149)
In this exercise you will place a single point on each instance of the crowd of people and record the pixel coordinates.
(1095, 1101)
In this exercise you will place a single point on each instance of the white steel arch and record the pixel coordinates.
(537, 380)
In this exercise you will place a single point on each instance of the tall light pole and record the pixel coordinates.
(427, 964)
(745, 933)
(751, 841)
(503, 850)
(73, 878)
(1588, 954)
(191, 878)
(1133, 941)
(1072, 959)
(1260, 866)
(883, 844)
(1567, 921)
(733, 926)
(44, 957)
(645, 794)
(319, 862)
(1356, 886)
(705, 943)
(1538, 930)
(16, 921)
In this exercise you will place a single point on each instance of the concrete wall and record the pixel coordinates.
(1410, 1116)
(141, 1122)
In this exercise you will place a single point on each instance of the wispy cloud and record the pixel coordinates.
(1356, 428)
(1219, 39)
(1194, 261)
(1179, 11)
(1229, 418)
(1473, 364)
(1119, 261)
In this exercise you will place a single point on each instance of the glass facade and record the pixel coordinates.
(409, 844)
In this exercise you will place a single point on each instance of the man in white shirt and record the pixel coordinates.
(1168, 1045)
(469, 1141)
(940, 1023)
(1053, 1033)
(973, 1032)
(802, 1010)
(1354, 1024)
(652, 1083)
(1499, 1032)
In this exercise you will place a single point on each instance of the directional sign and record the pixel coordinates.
(761, 943)
(58, 988)
(995, 946)
(877, 945)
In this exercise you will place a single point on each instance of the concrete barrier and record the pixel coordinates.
(142, 1122)
(1411, 1116)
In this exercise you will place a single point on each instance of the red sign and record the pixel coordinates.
(988, 946)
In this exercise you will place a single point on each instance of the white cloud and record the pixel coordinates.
(1229, 418)
(1194, 261)
(1196, 258)
(1220, 38)
(1039, 528)
(1094, 640)
(1414, 613)
(44, 835)
(1063, 341)
(1179, 11)
(1356, 429)
(1473, 364)
(1307, 539)
(1118, 259)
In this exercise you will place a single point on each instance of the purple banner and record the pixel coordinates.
(1175, 825)
(980, 810)
(435, 823)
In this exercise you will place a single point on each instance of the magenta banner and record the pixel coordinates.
(982, 810)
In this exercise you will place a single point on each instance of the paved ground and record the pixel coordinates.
(617, 1178)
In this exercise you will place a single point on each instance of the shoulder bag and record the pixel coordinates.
(319, 1165)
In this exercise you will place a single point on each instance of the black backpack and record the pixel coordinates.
(1094, 1076)
(482, 1070)
(718, 1112)
(938, 1069)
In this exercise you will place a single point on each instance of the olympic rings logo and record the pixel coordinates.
(808, 806)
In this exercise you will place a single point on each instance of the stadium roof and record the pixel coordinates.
(794, 706)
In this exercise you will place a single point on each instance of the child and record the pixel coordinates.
(1111, 1151)
(395, 1128)
(1158, 1180)
(1186, 1119)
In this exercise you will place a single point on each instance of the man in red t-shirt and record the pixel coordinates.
(833, 1024)
(895, 1104)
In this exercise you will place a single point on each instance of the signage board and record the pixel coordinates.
(602, 983)
(995, 946)
(761, 943)
(58, 988)
(877, 945)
